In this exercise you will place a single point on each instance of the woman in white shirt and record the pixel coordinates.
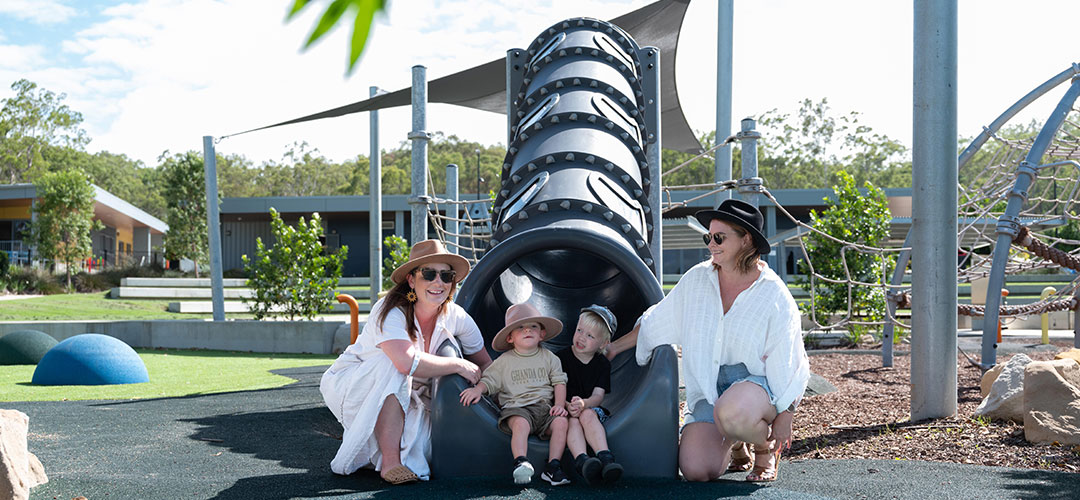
(379, 388)
(743, 359)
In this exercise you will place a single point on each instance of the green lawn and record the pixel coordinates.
(87, 306)
(173, 373)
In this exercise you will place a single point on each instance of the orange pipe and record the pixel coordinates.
(354, 313)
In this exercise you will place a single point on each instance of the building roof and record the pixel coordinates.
(108, 208)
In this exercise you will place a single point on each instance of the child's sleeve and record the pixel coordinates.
(555, 371)
(492, 378)
(603, 379)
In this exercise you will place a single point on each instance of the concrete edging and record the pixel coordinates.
(315, 337)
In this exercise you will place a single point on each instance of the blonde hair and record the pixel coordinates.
(593, 321)
(746, 259)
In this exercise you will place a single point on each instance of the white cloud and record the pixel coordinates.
(38, 11)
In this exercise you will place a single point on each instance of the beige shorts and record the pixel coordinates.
(538, 415)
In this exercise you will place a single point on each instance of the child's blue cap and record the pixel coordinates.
(605, 314)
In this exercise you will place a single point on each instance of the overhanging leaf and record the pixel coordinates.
(329, 18)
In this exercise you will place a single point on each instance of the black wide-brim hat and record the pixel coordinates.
(742, 214)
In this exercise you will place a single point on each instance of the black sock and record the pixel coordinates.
(580, 459)
(520, 459)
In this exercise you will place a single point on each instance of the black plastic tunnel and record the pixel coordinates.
(570, 229)
(571, 219)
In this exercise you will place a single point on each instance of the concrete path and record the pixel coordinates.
(277, 443)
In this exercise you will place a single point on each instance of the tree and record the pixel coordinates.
(64, 217)
(365, 13)
(30, 121)
(399, 255)
(184, 190)
(853, 217)
(296, 276)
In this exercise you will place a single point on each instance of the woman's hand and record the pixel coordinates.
(557, 411)
(781, 430)
(470, 396)
(468, 370)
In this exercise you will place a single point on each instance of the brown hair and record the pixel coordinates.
(396, 299)
(748, 257)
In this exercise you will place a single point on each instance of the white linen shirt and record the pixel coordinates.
(358, 382)
(762, 330)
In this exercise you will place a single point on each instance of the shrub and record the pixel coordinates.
(4, 265)
(399, 254)
(296, 276)
(34, 280)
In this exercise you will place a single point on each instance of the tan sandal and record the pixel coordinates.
(400, 475)
(768, 473)
(740, 458)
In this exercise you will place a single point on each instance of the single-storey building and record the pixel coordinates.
(129, 232)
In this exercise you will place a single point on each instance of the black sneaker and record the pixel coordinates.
(589, 468)
(554, 474)
(523, 471)
(611, 470)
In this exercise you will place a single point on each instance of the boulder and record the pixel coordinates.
(988, 379)
(1073, 354)
(1052, 402)
(20, 470)
(1005, 399)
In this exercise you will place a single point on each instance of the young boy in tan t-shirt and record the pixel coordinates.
(530, 386)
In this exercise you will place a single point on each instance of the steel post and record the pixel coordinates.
(213, 226)
(452, 208)
(419, 137)
(725, 49)
(934, 205)
(375, 213)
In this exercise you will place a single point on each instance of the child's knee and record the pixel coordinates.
(518, 424)
(559, 423)
(588, 417)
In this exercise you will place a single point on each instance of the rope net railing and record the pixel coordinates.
(1049, 240)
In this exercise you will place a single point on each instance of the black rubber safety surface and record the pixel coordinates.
(277, 443)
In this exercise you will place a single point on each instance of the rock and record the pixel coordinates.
(988, 379)
(1005, 399)
(19, 469)
(818, 385)
(1073, 354)
(1052, 402)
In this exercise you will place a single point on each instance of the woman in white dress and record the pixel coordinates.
(379, 388)
(743, 359)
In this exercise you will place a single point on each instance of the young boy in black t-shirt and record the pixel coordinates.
(588, 374)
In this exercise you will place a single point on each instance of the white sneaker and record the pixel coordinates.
(523, 473)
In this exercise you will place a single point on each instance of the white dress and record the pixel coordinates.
(356, 385)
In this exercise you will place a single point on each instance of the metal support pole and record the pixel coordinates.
(375, 213)
(213, 226)
(724, 49)
(750, 183)
(651, 85)
(420, 137)
(452, 209)
(934, 205)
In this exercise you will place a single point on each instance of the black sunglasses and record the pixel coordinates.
(447, 276)
(717, 237)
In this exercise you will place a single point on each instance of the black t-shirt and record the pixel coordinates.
(582, 378)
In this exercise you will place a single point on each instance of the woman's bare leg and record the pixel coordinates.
(703, 452)
(389, 426)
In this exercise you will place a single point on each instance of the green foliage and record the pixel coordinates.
(854, 218)
(365, 12)
(31, 121)
(32, 280)
(1070, 231)
(805, 150)
(184, 190)
(399, 254)
(64, 218)
(296, 276)
(5, 264)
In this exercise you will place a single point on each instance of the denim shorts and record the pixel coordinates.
(727, 376)
(602, 413)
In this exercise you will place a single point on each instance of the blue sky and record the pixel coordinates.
(156, 75)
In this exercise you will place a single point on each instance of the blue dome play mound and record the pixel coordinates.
(24, 347)
(90, 359)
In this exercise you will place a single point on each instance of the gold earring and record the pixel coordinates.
(411, 296)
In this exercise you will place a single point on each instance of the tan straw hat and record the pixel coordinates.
(428, 251)
(519, 314)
